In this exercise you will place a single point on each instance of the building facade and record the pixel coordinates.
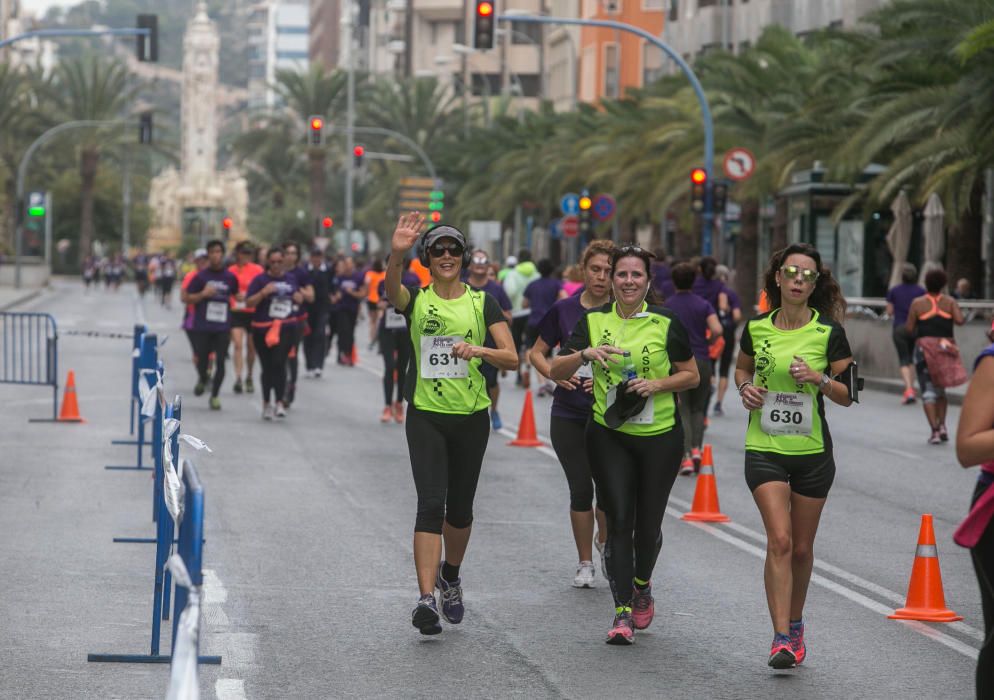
(277, 40)
(612, 61)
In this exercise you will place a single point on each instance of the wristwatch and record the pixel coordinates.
(825, 381)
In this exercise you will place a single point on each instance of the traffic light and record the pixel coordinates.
(357, 153)
(436, 203)
(698, 187)
(147, 45)
(435, 217)
(226, 223)
(36, 211)
(145, 128)
(483, 27)
(719, 197)
(586, 215)
(315, 124)
(327, 223)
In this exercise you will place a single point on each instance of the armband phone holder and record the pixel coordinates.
(850, 377)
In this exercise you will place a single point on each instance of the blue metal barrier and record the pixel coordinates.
(29, 353)
(190, 547)
(148, 362)
(135, 400)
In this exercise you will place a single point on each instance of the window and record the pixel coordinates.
(612, 7)
(588, 74)
(611, 86)
(526, 33)
(485, 83)
(674, 10)
(652, 64)
(589, 8)
(653, 5)
(706, 3)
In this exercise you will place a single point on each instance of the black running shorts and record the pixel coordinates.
(808, 475)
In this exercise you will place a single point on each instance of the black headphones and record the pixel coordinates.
(467, 254)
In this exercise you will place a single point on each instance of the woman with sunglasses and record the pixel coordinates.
(571, 404)
(447, 420)
(273, 295)
(641, 358)
(784, 373)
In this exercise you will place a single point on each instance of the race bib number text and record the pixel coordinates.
(437, 360)
(786, 413)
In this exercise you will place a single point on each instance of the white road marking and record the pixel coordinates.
(900, 453)
(230, 689)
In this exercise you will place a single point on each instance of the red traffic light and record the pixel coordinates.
(326, 222)
(317, 123)
(698, 176)
(436, 216)
(358, 151)
(226, 222)
(484, 9)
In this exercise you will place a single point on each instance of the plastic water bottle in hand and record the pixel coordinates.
(627, 368)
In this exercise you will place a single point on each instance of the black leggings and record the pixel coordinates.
(346, 331)
(983, 564)
(395, 345)
(568, 442)
(207, 342)
(292, 360)
(634, 475)
(273, 361)
(315, 347)
(694, 406)
(446, 458)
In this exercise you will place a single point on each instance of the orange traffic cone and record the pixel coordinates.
(926, 600)
(527, 436)
(70, 409)
(705, 508)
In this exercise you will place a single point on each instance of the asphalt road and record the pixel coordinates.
(309, 578)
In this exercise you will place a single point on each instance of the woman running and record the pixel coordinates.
(447, 423)
(571, 404)
(395, 346)
(241, 316)
(784, 372)
(294, 268)
(930, 321)
(975, 445)
(373, 280)
(642, 358)
(273, 295)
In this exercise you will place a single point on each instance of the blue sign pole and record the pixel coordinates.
(708, 213)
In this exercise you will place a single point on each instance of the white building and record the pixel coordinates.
(277, 40)
(696, 26)
(42, 53)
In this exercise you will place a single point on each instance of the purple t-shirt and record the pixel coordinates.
(347, 283)
(504, 301)
(901, 296)
(555, 329)
(662, 280)
(278, 306)
(693, 312)
(708, 289)
(407, 279)
(541, 295)
(213, 314)
(728, 321)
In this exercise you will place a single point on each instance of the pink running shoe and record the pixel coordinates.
(622, 632)
(643, 607)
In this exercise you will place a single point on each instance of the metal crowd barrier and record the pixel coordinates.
(29, 353)
(144, 370)
(134, 410)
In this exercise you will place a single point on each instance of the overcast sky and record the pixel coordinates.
(39, 7)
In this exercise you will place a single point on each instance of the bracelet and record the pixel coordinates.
(582, 358)
(743, 385)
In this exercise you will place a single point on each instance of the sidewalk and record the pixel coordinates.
(10, 298)
(896, 386)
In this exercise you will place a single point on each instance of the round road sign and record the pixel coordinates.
(569, 204)
(570, 226)
(604, 207)
(739, 164)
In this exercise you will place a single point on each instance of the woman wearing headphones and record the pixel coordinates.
(447, 420)
(641, 358)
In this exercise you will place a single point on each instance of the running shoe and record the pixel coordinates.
(318, 373)
(943, 433)
(622, 631)
(797, 641)
(425, 615)
(686, 467)
(280, 411)
(215, 403)
(934, 438)
(495, 421)
(643, 607)
(199, 389)
(695, 457)
(398, 411)
(267, 411)
(238, 386)
(584, 575)
(781, 653)
(908, 397)
(387, 415)
(450, 593)
(249, 386)
(717, 410)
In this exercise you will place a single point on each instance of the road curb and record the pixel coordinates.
(24, 298)
(894, 386)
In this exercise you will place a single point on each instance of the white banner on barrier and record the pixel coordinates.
(183, 683)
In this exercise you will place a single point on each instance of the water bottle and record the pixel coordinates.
(627, 367)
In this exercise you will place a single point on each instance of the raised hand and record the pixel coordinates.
(408, 229)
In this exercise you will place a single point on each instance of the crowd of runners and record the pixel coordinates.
(637, 352)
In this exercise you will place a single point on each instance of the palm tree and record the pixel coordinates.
(307, 93)
(17, 129)
(91, 89)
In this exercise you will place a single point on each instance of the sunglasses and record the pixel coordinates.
(437, 250)
(795, 272)
(481, 260)
(631, 250)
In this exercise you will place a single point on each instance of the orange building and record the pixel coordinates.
(612, 61)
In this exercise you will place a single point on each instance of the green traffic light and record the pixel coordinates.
(36, 211)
